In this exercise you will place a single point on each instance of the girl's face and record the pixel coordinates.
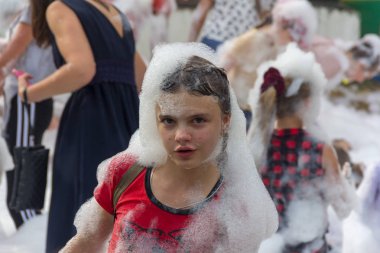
(357, 71)
(282, 35)
(190, 127)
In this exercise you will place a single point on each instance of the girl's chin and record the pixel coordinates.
(189, 164)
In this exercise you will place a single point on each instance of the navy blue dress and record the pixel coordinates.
(97, 122)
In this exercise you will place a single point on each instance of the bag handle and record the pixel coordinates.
(25, 104)
(30, 139)
(125, 181)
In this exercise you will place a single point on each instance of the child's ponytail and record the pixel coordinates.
(272, 88)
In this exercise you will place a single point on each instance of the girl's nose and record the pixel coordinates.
(182, 134)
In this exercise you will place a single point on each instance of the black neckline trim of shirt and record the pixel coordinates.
(173, 210)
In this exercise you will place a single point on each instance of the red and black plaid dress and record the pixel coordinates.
(294, 159)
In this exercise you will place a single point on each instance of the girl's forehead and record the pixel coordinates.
(181, 102)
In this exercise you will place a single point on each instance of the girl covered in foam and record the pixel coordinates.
(293, 21)
(299, 169)
(199, 190)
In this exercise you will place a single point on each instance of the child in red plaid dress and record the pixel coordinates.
(299, 169)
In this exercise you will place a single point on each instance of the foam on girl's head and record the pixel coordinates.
(367, 51)
(300, 18)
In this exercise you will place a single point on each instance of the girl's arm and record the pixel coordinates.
(74, 46)
(199, 17)
(94, 226)
(339, 192)
(237, 48)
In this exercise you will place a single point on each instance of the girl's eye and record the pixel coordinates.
(199, 120)
(167, 121)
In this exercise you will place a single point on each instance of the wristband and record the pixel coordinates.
(25, 95)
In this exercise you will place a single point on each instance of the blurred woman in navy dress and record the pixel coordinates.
(94, 52)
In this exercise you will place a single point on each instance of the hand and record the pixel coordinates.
(23, 83)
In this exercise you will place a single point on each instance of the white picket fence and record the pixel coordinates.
(341, 24)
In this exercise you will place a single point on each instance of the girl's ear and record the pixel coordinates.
(226, 123)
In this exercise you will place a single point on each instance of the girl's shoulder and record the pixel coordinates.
(121, 162)
(114, 168)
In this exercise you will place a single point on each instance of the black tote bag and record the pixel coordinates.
(31, 164)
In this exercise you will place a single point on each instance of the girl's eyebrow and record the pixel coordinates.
(202, 115)
(160, 116)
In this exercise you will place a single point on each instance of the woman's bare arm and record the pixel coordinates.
(21, 38)
(74, 46)
(140, 68)
(13, 49)
(199, 17)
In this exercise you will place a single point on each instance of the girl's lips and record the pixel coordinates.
(184, 152)
(184, 148)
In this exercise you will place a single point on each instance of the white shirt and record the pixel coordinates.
(230, 18)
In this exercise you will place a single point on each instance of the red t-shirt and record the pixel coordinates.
(142, 223)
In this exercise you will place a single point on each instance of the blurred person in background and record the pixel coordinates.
(8, 12)
(348, 61)
(154, 13)
(216, 21)
(291, 21)
(364, 58)
(94, 51)
(24, 53)
(299, 169)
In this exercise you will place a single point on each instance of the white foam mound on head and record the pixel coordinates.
(374, 41)
(299, 11)
(146, 143)
(295, 63)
